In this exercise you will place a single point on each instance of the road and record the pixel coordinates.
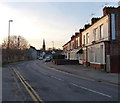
(34, 81)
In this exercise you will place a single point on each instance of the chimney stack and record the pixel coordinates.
(72, 37)
(76, 33)
(93, 20)
(81, 30)
(86, 26)
(109, 10)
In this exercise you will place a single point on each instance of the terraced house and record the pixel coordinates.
(99, 42)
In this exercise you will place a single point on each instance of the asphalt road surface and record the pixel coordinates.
(34, 81)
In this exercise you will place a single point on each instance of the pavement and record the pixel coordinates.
(87, 73)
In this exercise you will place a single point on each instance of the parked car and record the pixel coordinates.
(40, 58)
(47, 59)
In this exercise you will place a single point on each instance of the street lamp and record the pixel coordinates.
(9, 32)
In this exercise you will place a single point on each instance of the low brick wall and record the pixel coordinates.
(65, 62)
(100, 66)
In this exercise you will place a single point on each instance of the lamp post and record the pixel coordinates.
(9, 33)
(7, 51)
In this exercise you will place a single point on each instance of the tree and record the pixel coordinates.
(16, 42)
(15, 49)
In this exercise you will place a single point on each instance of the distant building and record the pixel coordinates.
(98, 44)
(33, 54)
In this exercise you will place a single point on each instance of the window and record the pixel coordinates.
(101, 31)
(95, 54)
(69, 46)
(113, 26)
(76, 42)
(84, 39)
(101, 53)
(72, 44)
(87, 38)
(95, 34)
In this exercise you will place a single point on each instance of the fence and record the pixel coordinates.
(12, 55)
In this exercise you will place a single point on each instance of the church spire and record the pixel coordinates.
(43, 44)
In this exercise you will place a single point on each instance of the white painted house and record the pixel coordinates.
(33, 54)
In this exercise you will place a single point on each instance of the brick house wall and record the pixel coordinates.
(111, 40)
(113, 47)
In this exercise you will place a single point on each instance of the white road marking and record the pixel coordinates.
(91, 90)
(57, 78)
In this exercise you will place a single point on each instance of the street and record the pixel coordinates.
(32, 81)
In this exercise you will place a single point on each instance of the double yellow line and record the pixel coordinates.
(28, 87)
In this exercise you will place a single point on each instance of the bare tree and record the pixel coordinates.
(16, 50)
(16, 42)
(22, 43)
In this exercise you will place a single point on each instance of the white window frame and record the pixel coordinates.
(95, 34)
(101, 31)
(113, 26)
(87, 38)
(78, 41)
(83, 39)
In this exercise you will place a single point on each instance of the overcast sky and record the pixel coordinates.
(47, 20)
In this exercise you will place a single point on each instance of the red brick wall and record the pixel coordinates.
(115, 63)
(117, 26)
(101, 66)
(109, 10)
(116, 11)
(80, 39)
(112, 48)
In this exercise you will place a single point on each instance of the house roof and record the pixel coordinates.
(33, 47)
(106, 12)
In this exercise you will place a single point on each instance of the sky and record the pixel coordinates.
(52, 21)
